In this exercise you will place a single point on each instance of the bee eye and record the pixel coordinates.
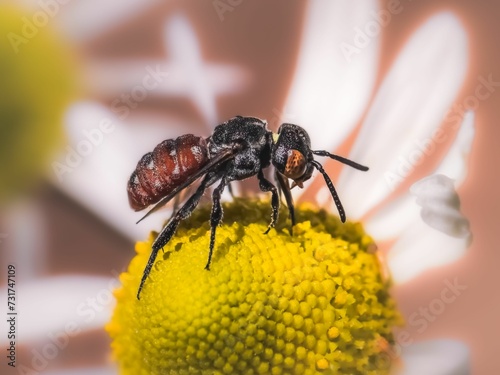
(295, 165)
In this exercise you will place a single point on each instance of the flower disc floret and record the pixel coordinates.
(314, 302)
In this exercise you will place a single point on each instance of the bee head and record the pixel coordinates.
(291, 153)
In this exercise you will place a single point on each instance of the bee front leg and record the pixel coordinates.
(215, 218)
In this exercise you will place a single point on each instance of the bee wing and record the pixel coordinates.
(211, 165)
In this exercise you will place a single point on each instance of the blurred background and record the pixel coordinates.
(88, 87)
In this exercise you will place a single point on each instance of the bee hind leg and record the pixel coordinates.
(169, 230)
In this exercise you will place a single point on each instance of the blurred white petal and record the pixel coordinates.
(85, 19)
(82, 20)
(441, 205)
(454, 164)
(437, 357)
(330, 90)
(420, 248)
(182, 43)
(98, 179)
(24, 241)
(48, 306)
(410, 105)
(114, 78)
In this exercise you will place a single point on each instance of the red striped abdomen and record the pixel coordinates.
(168, 166)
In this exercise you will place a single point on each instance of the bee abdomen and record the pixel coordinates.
(169, 165)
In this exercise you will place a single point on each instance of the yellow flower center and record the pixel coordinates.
(271, 304)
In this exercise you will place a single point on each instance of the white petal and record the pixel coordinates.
(420, 248)
(24, 241)
(455, 163)
(49, 305)
(115, 78)
(410, 105)
(182, 43)
(85, 19)
(437, 357)
(104, 15)
(393, 218)
(330, 89)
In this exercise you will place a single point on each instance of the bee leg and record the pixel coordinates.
(266, 186)
(215, 218)
(283, 184)
(169, 230)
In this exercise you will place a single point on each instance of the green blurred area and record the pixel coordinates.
(37, 82)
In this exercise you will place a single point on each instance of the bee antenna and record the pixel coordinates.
(345, 161)
(329, 183)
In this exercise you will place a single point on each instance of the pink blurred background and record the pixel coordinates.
(259, 42)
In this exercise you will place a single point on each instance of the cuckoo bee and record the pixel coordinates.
(239, 148)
